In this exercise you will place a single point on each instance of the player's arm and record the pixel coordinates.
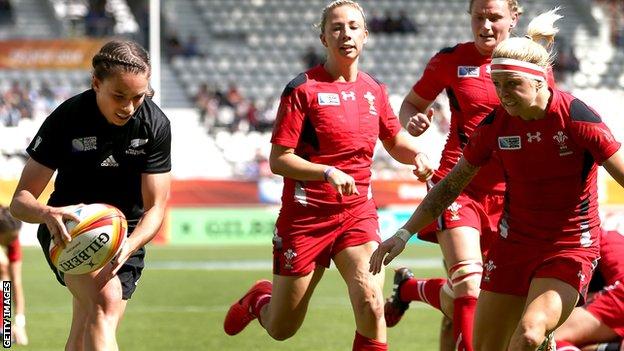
(25, 206)
(437, 199)
(615, 166)
(401, 149)
(155, 192)
(286, 163)
(415, 113)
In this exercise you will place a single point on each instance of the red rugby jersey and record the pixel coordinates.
(333, 123)
(465, 75)
(550, 168)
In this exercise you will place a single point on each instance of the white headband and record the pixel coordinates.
(524, 68)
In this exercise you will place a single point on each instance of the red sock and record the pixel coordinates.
(425, 290)
(463, 319)
(256, 306)
(566, 346)
(362, 343)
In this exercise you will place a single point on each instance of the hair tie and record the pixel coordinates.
(528, 37)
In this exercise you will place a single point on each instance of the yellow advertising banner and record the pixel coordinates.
(48, 54)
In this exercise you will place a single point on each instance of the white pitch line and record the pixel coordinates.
(261, 265)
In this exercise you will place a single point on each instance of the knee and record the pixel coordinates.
(104, 304)
(367, 300)
(530, 335)
(465, 277)
(281, 333)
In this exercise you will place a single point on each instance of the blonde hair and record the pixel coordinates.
(535, 46)
(337, 3)
(513, 5)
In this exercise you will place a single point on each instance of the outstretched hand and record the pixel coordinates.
(391, 247)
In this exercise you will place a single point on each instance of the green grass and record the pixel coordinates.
(184, 309)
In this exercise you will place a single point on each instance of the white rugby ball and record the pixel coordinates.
(96, 239)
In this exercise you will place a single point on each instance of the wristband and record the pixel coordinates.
(403, 234)
(20, 320)
(327, 172)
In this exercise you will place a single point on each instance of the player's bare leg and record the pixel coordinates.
(75, 341)
(549, 303)
(101, 297)
(365, 292)
(285, 312)
(492, 329)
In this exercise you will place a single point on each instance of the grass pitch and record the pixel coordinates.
(184, 293)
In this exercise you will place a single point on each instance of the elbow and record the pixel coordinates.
(276, 166)
(14, 208)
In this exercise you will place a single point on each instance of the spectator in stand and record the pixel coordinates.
(6, 12)
(405, 24)
(311, 58)
(375, 23)
(565, 63)
(191, 47)
(99, 22)
(390, 24)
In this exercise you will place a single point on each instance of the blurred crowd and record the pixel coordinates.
(231, 111)
(389, 23)
(21, 100)
(615, 11)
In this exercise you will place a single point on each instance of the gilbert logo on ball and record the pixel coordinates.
(95, 240)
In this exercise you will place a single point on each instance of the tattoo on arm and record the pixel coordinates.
(448, 189)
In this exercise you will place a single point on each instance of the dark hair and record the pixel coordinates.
(121, 55)
(8, 223)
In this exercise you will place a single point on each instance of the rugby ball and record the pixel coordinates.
(96, 239)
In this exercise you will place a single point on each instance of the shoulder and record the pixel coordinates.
(577, 110)
(153, 116)
(371, 81)
(451, 52)
(299, 81)
(82, 102)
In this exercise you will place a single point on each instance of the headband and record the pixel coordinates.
(527, 69)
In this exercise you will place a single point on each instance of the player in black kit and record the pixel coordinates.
(110, 144)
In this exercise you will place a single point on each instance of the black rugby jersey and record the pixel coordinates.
(98, 162)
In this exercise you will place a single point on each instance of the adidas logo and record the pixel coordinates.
(109, 162)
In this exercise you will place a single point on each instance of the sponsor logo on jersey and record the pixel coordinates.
(109, 162)
(328, 99)
(84, 144)
(468, 71)
(290, 254)
(134, 144)
(348, 95)
(560, 138)
(371, 103)
(534, 137)
(489, 267)
(38, 141)
(454, 209)
(509, 142)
